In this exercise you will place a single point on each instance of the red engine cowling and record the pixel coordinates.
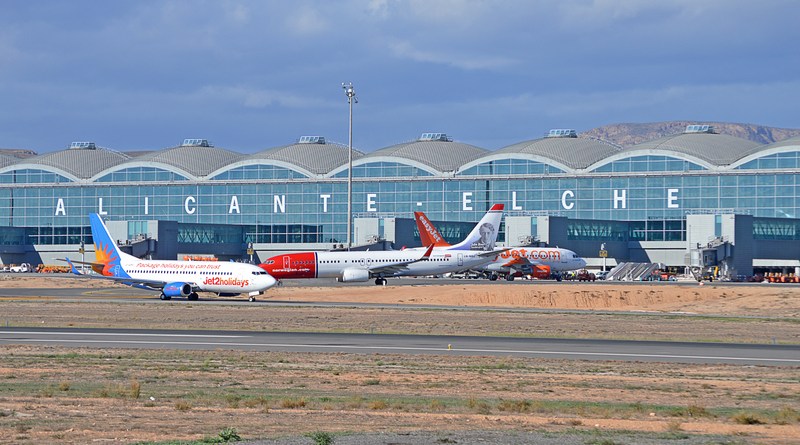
(541, 272)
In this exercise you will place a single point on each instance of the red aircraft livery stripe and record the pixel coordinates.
(293, 265)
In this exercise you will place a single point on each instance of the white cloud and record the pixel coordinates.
(451, 12)
(254, 97)
(603, 13)
(378, 8)
(307, 21)
(405, 50)
(734, 102)
(236, 12)
(8, 52)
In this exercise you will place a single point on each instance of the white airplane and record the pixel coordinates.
(541, 262)
(363, 265)
(173, 278)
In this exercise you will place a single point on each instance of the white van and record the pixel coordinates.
(22, 268)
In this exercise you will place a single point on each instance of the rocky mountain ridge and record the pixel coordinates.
(627, 134)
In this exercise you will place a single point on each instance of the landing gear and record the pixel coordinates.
(380, 281)
(510, 277)
(493, 277)
(251, 299)
(192, 296)
(164, 297)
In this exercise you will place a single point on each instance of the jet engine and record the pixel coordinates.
(541, 272)
(353, 275)
(177, 289)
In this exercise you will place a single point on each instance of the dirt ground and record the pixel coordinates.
(768, 300)
(64, 395)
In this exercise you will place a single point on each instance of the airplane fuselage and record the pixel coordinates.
(207, 276)
(172, 277)
(359, 264)
(556, 259)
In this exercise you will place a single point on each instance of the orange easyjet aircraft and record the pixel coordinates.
(540, 262)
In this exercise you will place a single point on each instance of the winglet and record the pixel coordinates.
(428, 252)
(72, 267)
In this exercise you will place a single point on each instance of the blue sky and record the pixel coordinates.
(252, 75)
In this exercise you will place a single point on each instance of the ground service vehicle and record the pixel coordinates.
(585, 275)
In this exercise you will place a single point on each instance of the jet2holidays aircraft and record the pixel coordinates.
(172, 278)
(363, 265)
(540, 262)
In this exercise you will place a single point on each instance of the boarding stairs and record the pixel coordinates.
(632, 271)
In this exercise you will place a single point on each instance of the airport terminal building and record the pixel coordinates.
(677, 200)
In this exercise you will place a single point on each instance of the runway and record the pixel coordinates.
(675, 352)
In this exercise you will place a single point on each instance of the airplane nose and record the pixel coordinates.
(270, 281)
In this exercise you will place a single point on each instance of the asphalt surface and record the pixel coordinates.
(573, 349)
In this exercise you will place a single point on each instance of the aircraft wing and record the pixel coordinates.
(73, 262)
(390, 269)
(519, 263)
(133, 282)
(493, 253)
(73, 270)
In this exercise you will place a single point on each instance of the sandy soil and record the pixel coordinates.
(769, 300)
(196, 394)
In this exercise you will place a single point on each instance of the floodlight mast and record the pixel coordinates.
(350, 92)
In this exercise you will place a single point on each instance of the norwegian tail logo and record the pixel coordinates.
(106, 251)
(484, 235)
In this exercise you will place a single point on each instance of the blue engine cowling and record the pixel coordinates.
(177, 289)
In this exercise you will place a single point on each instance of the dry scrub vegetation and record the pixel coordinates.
(65, 395)
(82, 395)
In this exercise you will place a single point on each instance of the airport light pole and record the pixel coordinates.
(350, 92)
(82, 250)
(604, 254)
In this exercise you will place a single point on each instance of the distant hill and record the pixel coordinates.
(17, 152)
(632, 134)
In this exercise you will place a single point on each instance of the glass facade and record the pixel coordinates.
(774, 161)
(260, 171)
(13, 236)
(511, 167)
(275, 206)
(141, 174)
(31, 176)
(384, 170)
(649, 163)
(774, 229)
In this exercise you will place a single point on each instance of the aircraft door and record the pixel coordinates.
(287, 262)
(460, 259)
